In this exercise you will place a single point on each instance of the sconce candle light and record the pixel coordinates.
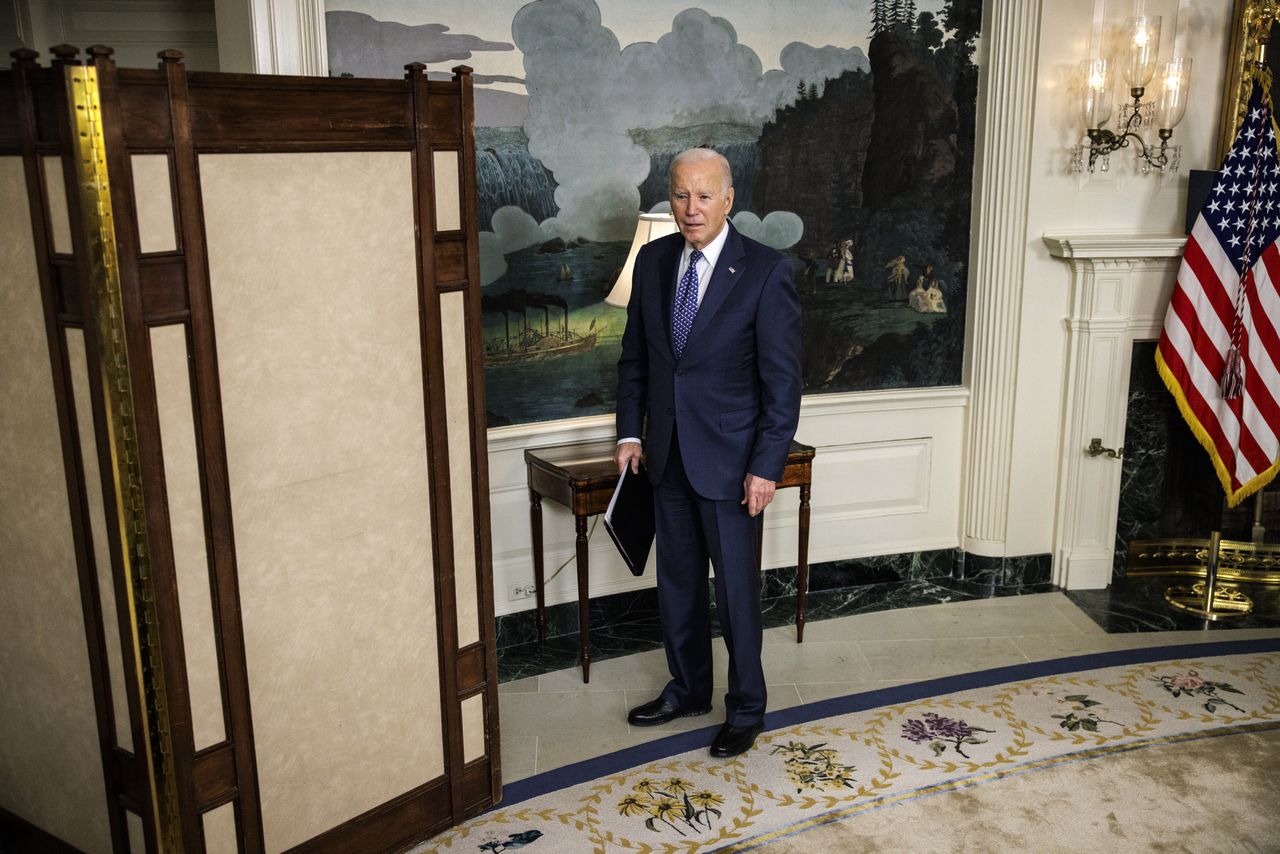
(1142, 45)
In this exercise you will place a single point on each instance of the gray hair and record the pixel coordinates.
(701, 155)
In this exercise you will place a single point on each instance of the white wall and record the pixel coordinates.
(1121, 201)
(137, 29)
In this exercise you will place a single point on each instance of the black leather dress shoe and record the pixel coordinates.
(732, 740)
(660, 711)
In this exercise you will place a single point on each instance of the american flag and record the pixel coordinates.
(1219, 352)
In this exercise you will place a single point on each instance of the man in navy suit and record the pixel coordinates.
(710, 377)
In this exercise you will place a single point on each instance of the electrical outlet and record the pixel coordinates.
(520, 591)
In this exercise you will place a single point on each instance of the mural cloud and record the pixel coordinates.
(779, 229)
(366, 47)
(586, 92)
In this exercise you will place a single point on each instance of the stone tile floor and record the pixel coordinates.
(554, 719)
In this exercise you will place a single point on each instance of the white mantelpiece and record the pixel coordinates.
(1120, 288)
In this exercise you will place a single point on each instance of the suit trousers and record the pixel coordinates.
(690, 531)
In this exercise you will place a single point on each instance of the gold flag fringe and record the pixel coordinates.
(1257, 482)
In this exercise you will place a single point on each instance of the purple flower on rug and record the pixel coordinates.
(1191, 684)
(940, 731)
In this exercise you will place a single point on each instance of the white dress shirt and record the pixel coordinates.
(710, 254)
(707, 264)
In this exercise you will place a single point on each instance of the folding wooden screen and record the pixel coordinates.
(244, 459)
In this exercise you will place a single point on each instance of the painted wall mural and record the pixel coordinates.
(854, 158)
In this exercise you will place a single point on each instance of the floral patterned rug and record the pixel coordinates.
(831, 761)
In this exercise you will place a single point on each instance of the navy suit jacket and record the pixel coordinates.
(734, 394)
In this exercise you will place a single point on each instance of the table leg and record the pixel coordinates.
(535, 525)
(802, 566)
(584, 622)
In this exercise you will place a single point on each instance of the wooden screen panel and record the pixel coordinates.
(245, 113)
(78, 368)
(144, 109)
(186, 525)
(320, 366)
(51, 775)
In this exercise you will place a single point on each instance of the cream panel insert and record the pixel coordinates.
(220, 830)
(50, 761)
(78, 366)
(457, 405)
(153, 199)
(186, 525)
(315, 296)
(444, 169)
(56, 195)
(137, 833)
(473, 728)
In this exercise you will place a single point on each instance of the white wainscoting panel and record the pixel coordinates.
(886, 480)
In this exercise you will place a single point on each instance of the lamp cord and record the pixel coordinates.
(571, 558)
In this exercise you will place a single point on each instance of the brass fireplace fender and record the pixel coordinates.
(1238, 561)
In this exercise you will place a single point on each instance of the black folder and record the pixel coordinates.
(629, 519)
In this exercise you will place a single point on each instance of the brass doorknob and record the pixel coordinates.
(1095, 449)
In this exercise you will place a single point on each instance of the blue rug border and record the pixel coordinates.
(620, 760)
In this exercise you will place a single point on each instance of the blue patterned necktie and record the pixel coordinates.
(686, 307)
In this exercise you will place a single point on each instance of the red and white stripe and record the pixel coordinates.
(1243, 434)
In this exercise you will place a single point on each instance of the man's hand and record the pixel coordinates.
(628, 454)
(757, 493)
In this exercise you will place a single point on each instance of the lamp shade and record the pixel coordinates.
(1143, 37)
(650, 227)
(1096, 95)
(1175, 84)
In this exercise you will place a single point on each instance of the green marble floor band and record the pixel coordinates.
(625, 623)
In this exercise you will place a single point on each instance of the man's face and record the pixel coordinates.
(699, 201)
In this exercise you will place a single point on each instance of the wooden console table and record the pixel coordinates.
(582, 477)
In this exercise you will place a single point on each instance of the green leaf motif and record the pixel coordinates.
(937, 747)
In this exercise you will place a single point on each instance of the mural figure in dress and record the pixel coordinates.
(917, 299)
(898, 275)
(841, 271)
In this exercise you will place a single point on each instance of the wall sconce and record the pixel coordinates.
(1142, 44)
(650, 227)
